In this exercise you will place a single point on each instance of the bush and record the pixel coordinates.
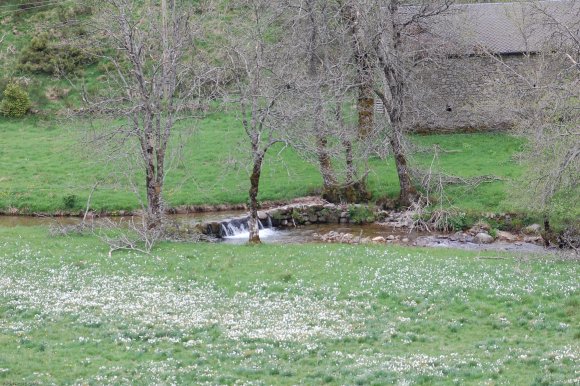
(354, 193)
(458, 221)
(70, 201)
(361, 214)
(16, 102)
(53, 58)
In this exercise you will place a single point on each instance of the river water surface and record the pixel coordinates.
(301, 234)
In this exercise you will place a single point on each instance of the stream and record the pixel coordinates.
(306, 233)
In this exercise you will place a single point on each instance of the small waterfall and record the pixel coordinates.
(238, 228)
(234, 227)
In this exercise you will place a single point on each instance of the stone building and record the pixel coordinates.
(480, 50)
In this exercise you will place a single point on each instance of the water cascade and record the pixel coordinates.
(237, 228)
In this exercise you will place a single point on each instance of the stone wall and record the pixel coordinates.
(295, 215)
(471, 93)
(309, 214)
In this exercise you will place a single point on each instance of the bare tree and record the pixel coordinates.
(315, 59)
(544, 96)
(563, 27)
(325, 83)
(354, 50)
(259, 67)
(361, 48)
(149, 47)
(388, 28)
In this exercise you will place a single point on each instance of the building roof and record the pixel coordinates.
(503, 28)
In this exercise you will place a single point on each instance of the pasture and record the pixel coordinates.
(279, 314)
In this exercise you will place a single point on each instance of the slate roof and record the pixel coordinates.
(501, 28)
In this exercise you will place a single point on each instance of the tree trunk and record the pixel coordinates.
(328, 178)
(365, 107)
(393, 110)
(395, 77)
(548, 234)
(408, 193)
(324, 161)
(153, 183)
(366, 101)
(253, 223)
(350, 171)
(154, 208)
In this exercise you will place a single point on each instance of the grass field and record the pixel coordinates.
(44, 168)
(274, 314)
(42, 162)
(310, 314)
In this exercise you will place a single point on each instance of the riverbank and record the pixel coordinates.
(311, 221)
(179, 210)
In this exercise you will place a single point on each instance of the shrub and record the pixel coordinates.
(4, 82)
(297, 216)
(563, 210)
(70, 201)
(16, 102)
(359, 214)
(354, 193)
(67, 13)
(458, 221)
(53, 58)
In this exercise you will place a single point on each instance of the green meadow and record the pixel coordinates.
(47, 166)
(210, 313)
(279, 314)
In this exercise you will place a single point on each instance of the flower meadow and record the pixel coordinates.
(282, 314)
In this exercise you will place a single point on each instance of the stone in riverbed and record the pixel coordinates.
(461, 237)
(212, 228)
(537, 240)
(533, 229)
(479, 227)
(262, 215)
(379, 239)
(506, 236)
(346, 238)
(483, 238)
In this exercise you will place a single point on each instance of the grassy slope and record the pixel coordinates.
(281, 314)
(41, 162)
